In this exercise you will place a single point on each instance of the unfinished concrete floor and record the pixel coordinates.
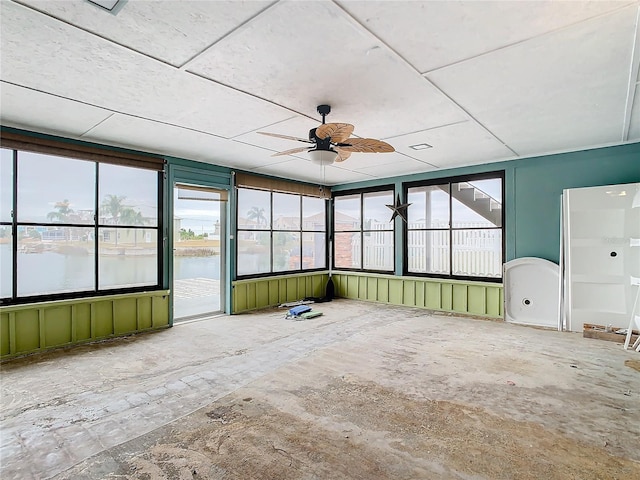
(366, 391)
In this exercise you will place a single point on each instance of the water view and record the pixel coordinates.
(49, 272)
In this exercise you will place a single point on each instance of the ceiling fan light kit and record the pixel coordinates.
(323, 157)
(332, 142)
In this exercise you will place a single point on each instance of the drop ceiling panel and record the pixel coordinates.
(22, 108)
(464, 143)
(402, 166)
(131, 132)
(53, 57)
(564, 90)
(305, 170)
(364, 161)
(275, 56)
(434, 34)
(168, 30)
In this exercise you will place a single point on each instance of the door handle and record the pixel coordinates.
(614, 254)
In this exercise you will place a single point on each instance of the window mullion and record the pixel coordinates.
(271, 270)
(14, 228)
(96, 229)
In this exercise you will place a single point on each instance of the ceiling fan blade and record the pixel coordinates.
(291, 152)
(342, 154)
(337, 132)
(287, 137)
(366, 145)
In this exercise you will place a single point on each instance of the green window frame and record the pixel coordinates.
(60, 238)
(455, 227)
(363, 233)
(279, 233)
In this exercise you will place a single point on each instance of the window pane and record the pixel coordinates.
(254, 209)
(6, 184)
(254, 253)
(55, 189)
(347, 213)
(376, 213)
(314, 217)
(286, 211)
(6, 261)
(429, 207)
(378, 250)
(473, 206)
(477, 252)
(347, 250)
(128, 196)
(286, 251)
(128, 257)
(55, 260)
(313, 250)
(428, 251)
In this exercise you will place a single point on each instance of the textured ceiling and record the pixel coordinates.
(477, 81)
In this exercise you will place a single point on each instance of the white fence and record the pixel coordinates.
(475, 252)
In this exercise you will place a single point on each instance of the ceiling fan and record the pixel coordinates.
(331, 142)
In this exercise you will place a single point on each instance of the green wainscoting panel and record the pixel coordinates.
(81, 318)
(143, 313)
(433, 293)
(103, 319)
(38, 327)
(159, 311)
(253, 294)
(4, 334)
(476, 299)
(372, 289)
(395, 291)
(460, 303)
(125, 317)
(383, 289)
(469, 298)
(409, 293)
(57, 325)
(446, 296)
(27, 330)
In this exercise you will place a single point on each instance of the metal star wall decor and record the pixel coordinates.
(399, 209)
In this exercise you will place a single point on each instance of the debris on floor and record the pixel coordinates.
(607, 332)
(302, 312)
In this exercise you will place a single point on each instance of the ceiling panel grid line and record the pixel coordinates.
(532, 37)
(110, 110)
(188, 62)
(432, 84)
(90, 32)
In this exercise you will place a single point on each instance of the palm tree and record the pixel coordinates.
(62, 212)
(257, 214)
(112, 206)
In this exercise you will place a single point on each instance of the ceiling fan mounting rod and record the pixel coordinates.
(324, 110)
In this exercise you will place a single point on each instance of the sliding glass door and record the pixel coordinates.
(198, 251)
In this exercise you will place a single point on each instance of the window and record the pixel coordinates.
(363, 232)
(76, 227)
(454, 228)
(279, 232)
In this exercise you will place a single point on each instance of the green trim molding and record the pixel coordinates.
(455, 296)
(36, 327)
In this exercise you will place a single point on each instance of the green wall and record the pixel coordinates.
(533, 189)
(469, 298)
(37, 327)
(538, 184)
